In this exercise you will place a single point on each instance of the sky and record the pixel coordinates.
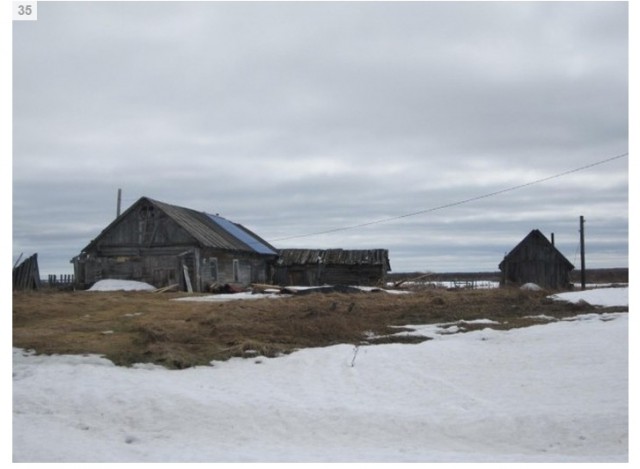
(353, 125)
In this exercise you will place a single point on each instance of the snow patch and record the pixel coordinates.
(118, 285)
(222, 297)
(597, 297)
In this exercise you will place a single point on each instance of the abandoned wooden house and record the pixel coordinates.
(163, 245)
(312, 267)
(536, 260)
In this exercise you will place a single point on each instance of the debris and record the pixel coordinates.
(173, 287)
(265, 288)
(397, 284)
(216, 288)
(27, 275)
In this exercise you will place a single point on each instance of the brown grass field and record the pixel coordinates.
(145, 327)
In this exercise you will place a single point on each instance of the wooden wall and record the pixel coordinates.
(162, 268)
(332, 274)
(536, 261)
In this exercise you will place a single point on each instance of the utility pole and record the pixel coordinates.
(582, 269)
(119, 202)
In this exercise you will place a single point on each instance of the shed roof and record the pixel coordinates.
(335, 256)
(208, 230)
(537, 236)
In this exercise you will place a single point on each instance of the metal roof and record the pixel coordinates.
(244, 235)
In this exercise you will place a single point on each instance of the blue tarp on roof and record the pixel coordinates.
(242, 235)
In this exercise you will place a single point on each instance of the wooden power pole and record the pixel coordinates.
(583, 273)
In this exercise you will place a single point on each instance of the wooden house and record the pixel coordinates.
(164, 244)
(536, 260)
(314, 267)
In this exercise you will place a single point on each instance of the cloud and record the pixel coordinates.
(302, 117)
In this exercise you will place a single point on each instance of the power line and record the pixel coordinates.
(459, 202)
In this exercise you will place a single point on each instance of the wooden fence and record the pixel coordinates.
(63, 280)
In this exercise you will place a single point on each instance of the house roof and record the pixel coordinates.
(208, 230)
(334, 256)
(536, 235)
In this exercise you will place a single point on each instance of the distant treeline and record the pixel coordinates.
(613, 275)
(620, 275)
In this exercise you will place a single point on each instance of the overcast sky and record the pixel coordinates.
(298, 118)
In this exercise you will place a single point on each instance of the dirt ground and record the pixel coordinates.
(147, 327)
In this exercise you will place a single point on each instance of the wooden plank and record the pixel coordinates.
(187, 279)
(167, 288)
(397, 284)
(261, 287)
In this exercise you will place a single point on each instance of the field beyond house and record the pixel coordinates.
(148, 327)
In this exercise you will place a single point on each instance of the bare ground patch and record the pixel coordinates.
(144, 327)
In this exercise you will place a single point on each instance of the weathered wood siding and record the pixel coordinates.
(162, 267)
(310, 275)
(218, 267)
(313, 267)
(145, 227)
(158, 269)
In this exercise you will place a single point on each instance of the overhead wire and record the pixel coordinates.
(459, 202)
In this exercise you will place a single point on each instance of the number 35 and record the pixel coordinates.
(24, 9)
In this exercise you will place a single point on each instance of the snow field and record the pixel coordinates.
(550, 393)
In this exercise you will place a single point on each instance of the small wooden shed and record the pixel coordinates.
(313, 267)
(163, 244)
(536, 260)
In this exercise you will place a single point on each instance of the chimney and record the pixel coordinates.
(119, 203)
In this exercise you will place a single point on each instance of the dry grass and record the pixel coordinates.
(134, 327)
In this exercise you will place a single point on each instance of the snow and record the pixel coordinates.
(556, 392)
(221, 297)
(116, 285)
(384, 290)
(597, 296)
(475, 284)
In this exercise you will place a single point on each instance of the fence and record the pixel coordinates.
(61, 280)
(26, 276)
